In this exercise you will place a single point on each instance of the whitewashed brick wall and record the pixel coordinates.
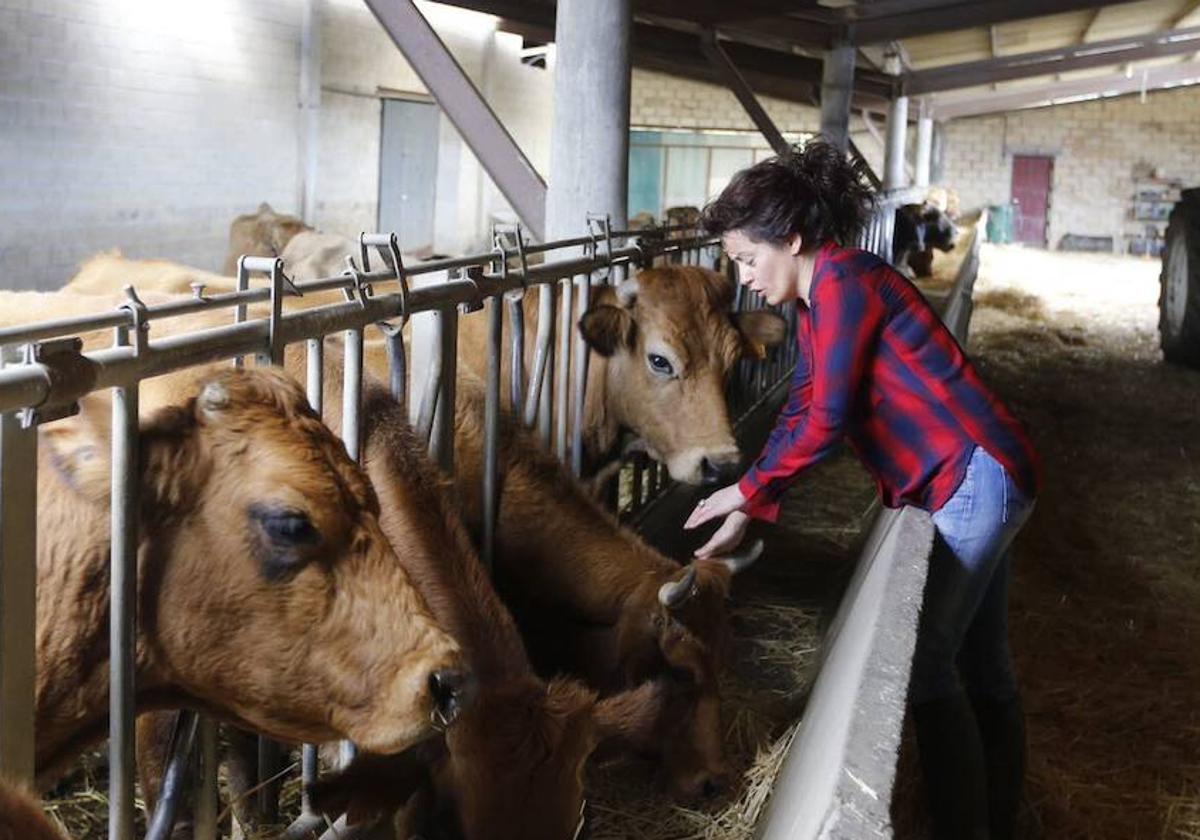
(658, 100)
(148, 126)
(1096, 145)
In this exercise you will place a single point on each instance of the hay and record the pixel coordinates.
(1107, 572)
(774, 652)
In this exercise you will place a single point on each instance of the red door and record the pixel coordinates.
(1031, 198)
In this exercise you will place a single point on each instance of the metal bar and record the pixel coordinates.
(397, 363)
(563, 372)
(516, 372)
(491, 431)
(206, 780)
(352, 393)
(1150, 78)
(582, 355)
(427, 407)
(315, 361)
(269, 764)
(499, 154)
(174, 779)
(734, 80)
(1061, 60)
(441, 439)
(924, 156)
(18, 596)
(537, 401)
(123, 611)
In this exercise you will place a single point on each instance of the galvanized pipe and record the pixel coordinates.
(352, 393)
(205, 826)
(315, 361)
(539, 388)
(123, 611)
(563, 372)
(174, 779)
(441, 438)
(582, 353)
(491, 431)
(393, 337)
(516, 374)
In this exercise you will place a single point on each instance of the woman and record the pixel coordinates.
(878, 369)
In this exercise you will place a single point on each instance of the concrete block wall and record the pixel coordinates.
(140, 125)
(658, 100)
(149, 126)
(1096, 147)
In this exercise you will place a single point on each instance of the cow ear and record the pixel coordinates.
(606, 328)
(632, 717)
(760, 329)
(79, 450)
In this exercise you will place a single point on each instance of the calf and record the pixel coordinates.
(264, 233)
(512, 766)
(593, 599)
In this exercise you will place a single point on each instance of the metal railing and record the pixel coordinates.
(46, 373)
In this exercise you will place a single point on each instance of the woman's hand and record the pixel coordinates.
(722, 503)
(727, 537)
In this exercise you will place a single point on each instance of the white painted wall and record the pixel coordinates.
(148, 125)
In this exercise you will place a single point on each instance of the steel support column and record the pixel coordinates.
(589, 146)
(897, 133)
(837, 88)
(924, 146)
(937, 164)
(476, 122)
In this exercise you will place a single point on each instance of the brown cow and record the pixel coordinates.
(264, 233)
(522, 739)
(261, 570)
(593, 599)
(21, 818)
(664, 344)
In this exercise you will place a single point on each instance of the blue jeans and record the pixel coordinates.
(963, 631)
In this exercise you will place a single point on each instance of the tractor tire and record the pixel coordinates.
(1179, 295)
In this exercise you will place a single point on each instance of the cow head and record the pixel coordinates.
(267, 590)
(512, 767)
(682, 621)
(263, 233)
(670, 343)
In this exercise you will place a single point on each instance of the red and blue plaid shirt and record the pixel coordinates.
(879, 368)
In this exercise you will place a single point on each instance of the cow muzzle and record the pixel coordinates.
(452, 692)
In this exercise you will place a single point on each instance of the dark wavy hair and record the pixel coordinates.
(814, 190)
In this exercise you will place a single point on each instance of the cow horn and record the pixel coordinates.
(743, 560)
(214, 397)
(627, 292)
(673, 593)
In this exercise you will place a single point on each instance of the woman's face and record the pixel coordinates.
(771, 270)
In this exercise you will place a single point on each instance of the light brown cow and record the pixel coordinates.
(593, 599)
(20, 816)
(264, 233)
(261, 573)
(663, 346)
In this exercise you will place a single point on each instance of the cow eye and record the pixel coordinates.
(285, 527)
(660, 365)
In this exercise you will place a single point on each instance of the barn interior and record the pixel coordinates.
(1060, 137)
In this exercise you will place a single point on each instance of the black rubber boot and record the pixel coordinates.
(952, 765)
(1002, 733)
